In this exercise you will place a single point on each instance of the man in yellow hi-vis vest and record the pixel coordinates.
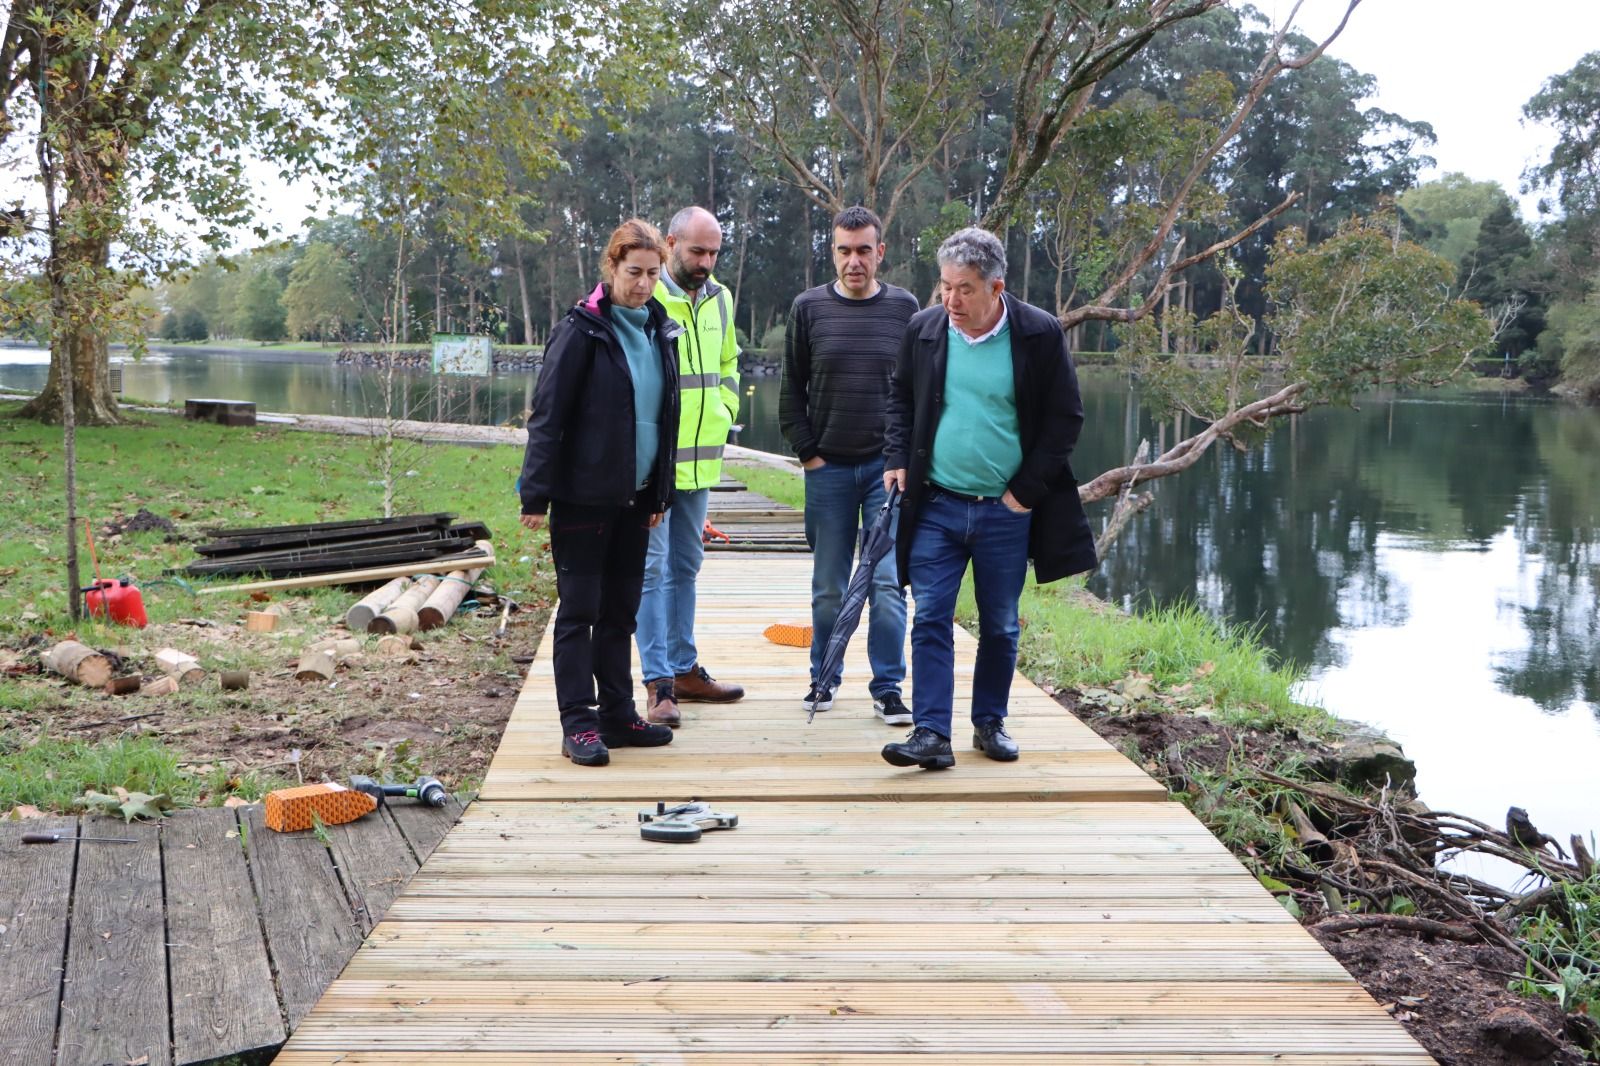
(708, 375)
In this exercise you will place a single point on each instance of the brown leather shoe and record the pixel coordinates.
(661, 707)
(697, 686)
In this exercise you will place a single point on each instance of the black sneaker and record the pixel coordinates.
(585, 748)
(817, 699)
(889, 708)
(635, 734)
(991, 738)
(923, 748)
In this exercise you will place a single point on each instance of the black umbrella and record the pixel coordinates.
(877, 540)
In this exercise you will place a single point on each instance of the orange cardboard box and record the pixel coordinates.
(290, 809)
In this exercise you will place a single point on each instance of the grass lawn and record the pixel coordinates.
(440, 715)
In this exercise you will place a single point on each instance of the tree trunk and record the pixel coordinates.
(438, 294)
(527, 304)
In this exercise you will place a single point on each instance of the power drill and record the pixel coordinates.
(426, 789)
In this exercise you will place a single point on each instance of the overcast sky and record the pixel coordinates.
(1465, 66)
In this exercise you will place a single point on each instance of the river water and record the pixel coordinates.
(1432, 561)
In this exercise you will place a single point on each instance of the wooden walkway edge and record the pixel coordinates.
(1058, 910)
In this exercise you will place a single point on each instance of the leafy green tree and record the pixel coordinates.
(1447, 212)
(157, 101)
(1499, 274)
(1365, 308)
(319, 302)
(1573, 340)
(258, 305)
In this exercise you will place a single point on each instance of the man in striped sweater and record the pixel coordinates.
(839, 353)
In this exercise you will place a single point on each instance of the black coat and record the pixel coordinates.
(1049, 416)
(581, 431)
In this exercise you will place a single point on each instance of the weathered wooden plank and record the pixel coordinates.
(309, 925)
(115, 1007)
(424, 826)
(223, 998)
(374, 863)
(35, 895)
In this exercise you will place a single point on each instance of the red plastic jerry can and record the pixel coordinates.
(119, 601)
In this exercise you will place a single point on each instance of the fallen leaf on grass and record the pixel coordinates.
(23, 810)
(235, 801)
(1205, 669)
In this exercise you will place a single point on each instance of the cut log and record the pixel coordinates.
(123, 686)
(78, 662)
(342, 649)
(401, 615)
(161, 686)
(359, 617)
(181, 665)
(232, 680)
(315, 666)
(441, 605)
(396, 646)
(260, 621)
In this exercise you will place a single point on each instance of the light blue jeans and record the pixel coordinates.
(842, 499)
(666, 609)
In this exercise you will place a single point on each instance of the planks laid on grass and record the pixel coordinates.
(114, 1006)
(35, 895)
(215, 943)
(374, 862)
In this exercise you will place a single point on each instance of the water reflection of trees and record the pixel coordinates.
(1557, 525)
(1287, 537)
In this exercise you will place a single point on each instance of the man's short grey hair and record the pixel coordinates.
(975, 248)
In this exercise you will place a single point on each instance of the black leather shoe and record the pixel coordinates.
(635, 733)
(990, 737)
(923, 748)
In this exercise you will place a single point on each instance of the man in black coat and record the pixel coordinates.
(983, 415)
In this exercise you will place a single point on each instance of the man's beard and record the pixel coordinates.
(687, 278)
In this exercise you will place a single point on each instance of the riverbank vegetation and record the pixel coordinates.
(1324, 814)
(149, 488)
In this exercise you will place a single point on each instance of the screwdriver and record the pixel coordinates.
(54, 838)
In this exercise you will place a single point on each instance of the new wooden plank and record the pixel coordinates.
(223, 999)
(115, 1007)
(424, 995)
(641, 905)
(35, 896)
(782, 1033)
(310, 928)
(603, 881)
(645, 774)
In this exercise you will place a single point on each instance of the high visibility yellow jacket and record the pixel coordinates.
(708, 378)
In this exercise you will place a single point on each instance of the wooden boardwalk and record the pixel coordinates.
(1058, 910)
(209, 936)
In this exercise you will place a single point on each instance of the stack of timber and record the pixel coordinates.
(333, 547)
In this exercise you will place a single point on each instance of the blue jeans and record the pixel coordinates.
(841, 499)
(949, 533)
(666, 609)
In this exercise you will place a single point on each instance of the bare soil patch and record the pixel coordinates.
(440, 711)
(1452, 997)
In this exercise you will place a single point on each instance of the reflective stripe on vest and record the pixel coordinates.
(731, 384)
(695, 455)
(688, 382)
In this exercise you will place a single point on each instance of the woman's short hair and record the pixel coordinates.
(975, 248)
(633, 235)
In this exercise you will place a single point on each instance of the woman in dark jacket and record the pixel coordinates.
(599, 459)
